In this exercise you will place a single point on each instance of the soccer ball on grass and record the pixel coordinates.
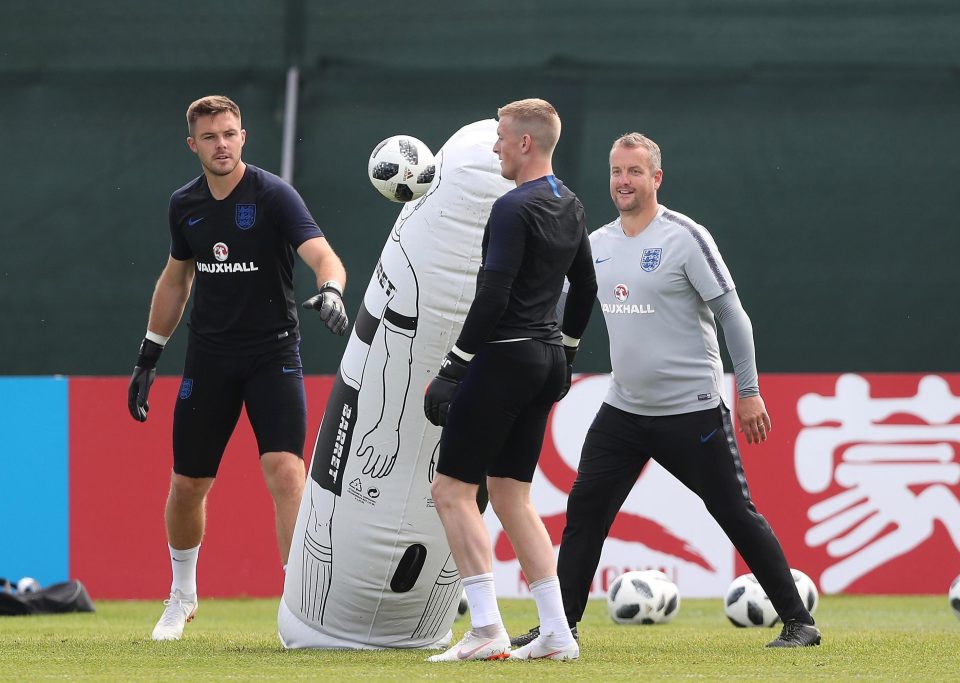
(746, 603)
(27, 584)
(807, 590)
(954, 596)
(643, 597)
(401, 168)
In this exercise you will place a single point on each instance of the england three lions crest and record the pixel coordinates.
(650, 259)
(246, 216)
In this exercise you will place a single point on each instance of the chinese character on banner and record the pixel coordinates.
(887, 469)
(860, 479)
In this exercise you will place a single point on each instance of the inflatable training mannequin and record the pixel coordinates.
(369, 564)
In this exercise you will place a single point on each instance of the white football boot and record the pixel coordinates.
(178, 610)
(545, 646)
(472, 647)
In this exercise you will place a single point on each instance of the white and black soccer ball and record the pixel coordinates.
(463, 606)
(27, 584)
(954, 596)
(643, 597)
(401, 168)
(747, 604)
(807, 590)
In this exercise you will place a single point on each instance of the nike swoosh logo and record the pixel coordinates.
(549, 654)
(704, 439)
(601, 260)
(194, 221)
(469, 653)
(287, 370)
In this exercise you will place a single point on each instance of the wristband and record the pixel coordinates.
(462, 355)
(149, 354)
(334, 285)
(156, 338)
(453, 367)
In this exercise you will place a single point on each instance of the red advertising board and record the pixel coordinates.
(861, 479)
(119, 477)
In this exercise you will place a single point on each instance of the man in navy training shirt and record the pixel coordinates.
(234, 230)
(495, 388)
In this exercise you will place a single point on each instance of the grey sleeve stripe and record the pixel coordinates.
(738, 334)
(704, 247)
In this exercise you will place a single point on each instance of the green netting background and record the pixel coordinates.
(818, 141)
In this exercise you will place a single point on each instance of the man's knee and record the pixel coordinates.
(508, 496)
(587, 501)
(441, 490)
(448, 492)
(186, 490)
(736, 516)
(285, 474)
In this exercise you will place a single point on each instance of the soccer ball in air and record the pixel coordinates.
(401, 168)
(747, 604)
(954, 596)
(463, 606)
(643, 597)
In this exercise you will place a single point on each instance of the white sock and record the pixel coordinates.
(553, 622)
(184, 563)
(482, 599)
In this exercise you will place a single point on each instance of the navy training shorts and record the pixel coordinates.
(213, 390)
(496, 424)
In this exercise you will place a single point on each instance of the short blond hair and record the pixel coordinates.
(634, 140)
(537, 118)
(210, 105)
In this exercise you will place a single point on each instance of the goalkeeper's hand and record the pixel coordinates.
(571, 353)
(329, 304)
(442, 391)
(143, 375)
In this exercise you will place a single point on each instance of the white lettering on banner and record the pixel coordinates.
(893, 474)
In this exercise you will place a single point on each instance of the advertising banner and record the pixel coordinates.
(862, 484)
(860, 480)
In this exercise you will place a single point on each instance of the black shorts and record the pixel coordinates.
(214, 389)
(496, 423)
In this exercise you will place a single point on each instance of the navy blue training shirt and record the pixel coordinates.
(244, 250)
(536, 235)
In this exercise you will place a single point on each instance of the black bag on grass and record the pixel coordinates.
(59, 598)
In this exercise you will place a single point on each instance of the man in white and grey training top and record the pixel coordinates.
(662, 284)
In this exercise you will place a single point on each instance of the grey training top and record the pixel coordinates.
(653, 290)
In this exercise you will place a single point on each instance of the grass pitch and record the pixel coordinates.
(865, 638)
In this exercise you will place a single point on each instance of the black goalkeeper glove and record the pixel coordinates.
(329, 304)
(142, 379)
(571, 353)
(443, 389)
